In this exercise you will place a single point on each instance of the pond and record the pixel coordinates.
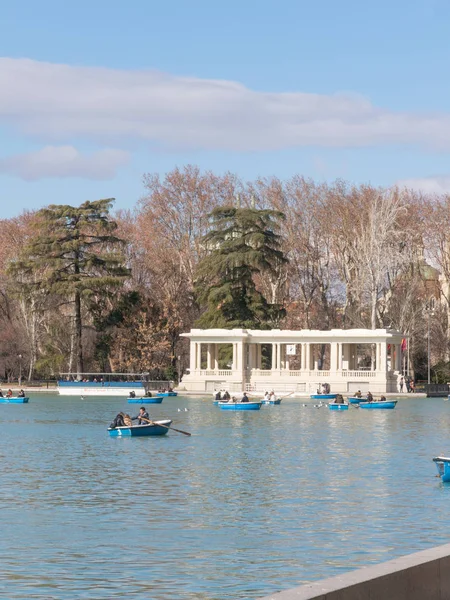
(251, 503)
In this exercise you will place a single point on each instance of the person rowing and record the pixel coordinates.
(143, 417)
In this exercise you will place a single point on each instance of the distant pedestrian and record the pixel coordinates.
(408, 384)
(412, 386)
(402, 381)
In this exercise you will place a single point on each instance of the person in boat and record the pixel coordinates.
(132, 394)
(319, 390)
(244, 397)
(358, 394)
(382, 398)
(21, 394)
(226, 396)
(121, 420)
(272, 396)
(9, 393)
(217, 397)
(143, 417)
(267, 397)
(369, 397)
(232, 399)
(148, 394)
(339, 399)
(1, 394)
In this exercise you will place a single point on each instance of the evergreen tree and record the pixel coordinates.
(74, 254)
(242, 244)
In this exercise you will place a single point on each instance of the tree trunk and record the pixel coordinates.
(78, 334)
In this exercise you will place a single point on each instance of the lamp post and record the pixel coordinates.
(428, 347)
(20, 369)
(429, 305)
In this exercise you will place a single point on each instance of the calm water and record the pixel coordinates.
(252, 503)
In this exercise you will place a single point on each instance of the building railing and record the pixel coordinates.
(362, 374)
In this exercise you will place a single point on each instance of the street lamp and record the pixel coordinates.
(429, 308)
(20, 369)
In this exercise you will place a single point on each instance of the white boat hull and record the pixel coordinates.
(101, 391)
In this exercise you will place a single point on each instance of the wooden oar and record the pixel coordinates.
(166, 426)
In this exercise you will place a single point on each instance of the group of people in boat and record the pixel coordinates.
(324, 388)
(124, 419)
(9, 394)
(270, 396)
(369, 397)
(224, 396)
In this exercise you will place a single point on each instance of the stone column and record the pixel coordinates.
(192, 356)
(240, 355)
(199, 355)
(346, 354)
(209, 357)
(398, 357)
(216, 357)
(333, 356)
(383, 357)
(308, 357)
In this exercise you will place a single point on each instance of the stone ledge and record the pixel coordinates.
(421, 576)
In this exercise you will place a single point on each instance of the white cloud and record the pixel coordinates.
(428, 185)
(59, 102)
(64, 161)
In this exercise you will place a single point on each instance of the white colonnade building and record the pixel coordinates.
(294, 361)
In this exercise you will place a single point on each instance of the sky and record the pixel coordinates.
(94, 94)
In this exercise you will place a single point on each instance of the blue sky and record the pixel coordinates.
(95, 94)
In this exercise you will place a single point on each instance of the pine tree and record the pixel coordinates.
(242, 244)
(73, 254)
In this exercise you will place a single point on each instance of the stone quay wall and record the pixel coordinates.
(421, 576)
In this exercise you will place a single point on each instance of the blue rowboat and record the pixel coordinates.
(240, 405)
(378, 404)
(14, 400)
(323, 396)
(277, 401)
(167, 394)
(152, 400)
(443, 467)
(338, 406)
(334, 406)
(355, 400)
(155, 428)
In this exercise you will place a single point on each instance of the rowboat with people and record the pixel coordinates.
(240, 405)
(157, 399)
(14, 400)
(355, 400)
(339, 403)
(323, 393)
(378, 404)
(338, 406)
(271, 400)
(443, 467)
(150, 429)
